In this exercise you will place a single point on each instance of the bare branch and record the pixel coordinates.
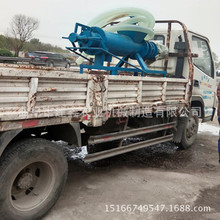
(22, 28)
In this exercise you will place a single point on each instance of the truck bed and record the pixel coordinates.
(31, 96)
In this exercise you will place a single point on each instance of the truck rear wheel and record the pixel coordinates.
(32, 175)
(190, 131)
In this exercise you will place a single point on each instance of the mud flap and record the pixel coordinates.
(181, 123)
(6, 137)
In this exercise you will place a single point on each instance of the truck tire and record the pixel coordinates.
(190, 131)
(32, 175)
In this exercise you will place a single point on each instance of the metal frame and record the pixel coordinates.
(114, 70)
(102, 53)
(129, 133)
(131, 147)
(189, 54)
(124, 149)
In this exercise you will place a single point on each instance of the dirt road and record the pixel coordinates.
(175, 184)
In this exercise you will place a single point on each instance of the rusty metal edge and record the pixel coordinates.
(189, 53)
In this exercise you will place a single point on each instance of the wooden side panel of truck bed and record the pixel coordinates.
(28, 93)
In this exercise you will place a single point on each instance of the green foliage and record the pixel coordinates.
(35, 45)
(30, 46)
(5, 53)
(3, 42)
(216, 60)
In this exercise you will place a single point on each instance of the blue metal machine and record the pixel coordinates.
(105, 45)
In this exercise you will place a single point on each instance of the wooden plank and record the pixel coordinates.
(121, 87)
(62, 89)
(13, 99)
(176, 84)
(153, 83)
(17, 80)
(168, 93)
(61, 103)
(151, 93)
(151, 87)
(14, 83)
(151, 104)
(145, 79)
(61, 94)
(146, 99)
(13, 94)
(61, 74)
(175, 97)
(119, 101)
(36, 73)
(121, 95)
(14, 89)
(60, 83)
(59, 98)
(14, 105)
(176, 89)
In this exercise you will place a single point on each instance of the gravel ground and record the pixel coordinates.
(162, 178)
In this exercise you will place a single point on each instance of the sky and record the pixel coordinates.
(58, 17)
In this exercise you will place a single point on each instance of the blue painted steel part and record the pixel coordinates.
(105, 45)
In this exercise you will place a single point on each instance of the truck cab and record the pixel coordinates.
(204, 77)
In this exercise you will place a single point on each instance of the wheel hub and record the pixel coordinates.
(191, 127)
(25, 181)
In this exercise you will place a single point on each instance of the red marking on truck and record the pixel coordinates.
(32, 123)
(107, 114)
(87, 117)
(168, 126)
(109, 137)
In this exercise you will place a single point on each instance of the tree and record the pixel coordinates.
(22, 28)
(216, 60)
(34, 44)
(3, 42)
